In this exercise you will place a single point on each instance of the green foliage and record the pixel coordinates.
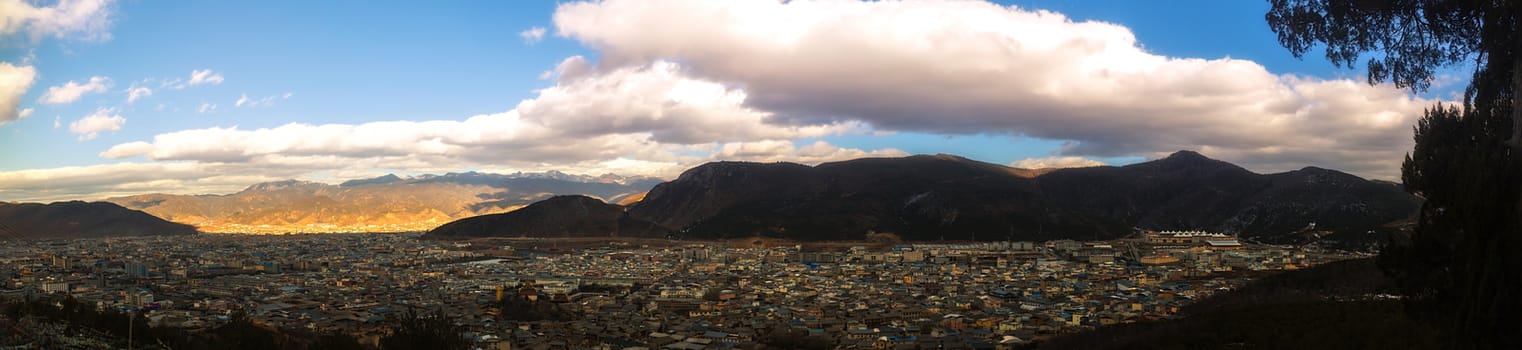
(1317, 308)
(1350, 279)
(11, 311)
(1320, 324)
(77, 314)
(712, 294)
(1453, 267)
(1460, 268)
(414, 331)
(239, 333)
(1410, 38)
(789, 338)
(515, 308)
(242, 334)
(607, 289)
(335, 341)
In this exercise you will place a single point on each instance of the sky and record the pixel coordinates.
(102, 98)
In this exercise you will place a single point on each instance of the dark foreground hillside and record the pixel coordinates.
(559, 216)
(1333, 306)
(72, 220)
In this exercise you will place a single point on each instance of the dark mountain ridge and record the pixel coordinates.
(945, 197)
(71, 220)
(559, 216)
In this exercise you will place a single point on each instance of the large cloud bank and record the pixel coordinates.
(968, 67)
(641, 120)
(763, 80)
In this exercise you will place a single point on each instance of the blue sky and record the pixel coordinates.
(341, 63)
(351, 64)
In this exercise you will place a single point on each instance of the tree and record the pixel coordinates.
(335, 341)
(1410, 39)
(242, 333)
(783, 337)
(413, 331)
(516, 308)
(1460, 266)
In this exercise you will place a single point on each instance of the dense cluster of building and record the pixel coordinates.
(668, 296)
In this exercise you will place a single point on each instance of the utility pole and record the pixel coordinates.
(130, 317)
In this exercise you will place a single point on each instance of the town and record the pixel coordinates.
(622, 294)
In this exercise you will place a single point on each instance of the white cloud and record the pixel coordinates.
(87, 20)
(1055, 162)
(197, 77)
(207, 108)
(14, 81)
(570, 69)
(754, 78)
(57, 121)
(104, 119)
(659, 99)
(200, 177)
(786, 151)
(532, 35)
(129, 149)
(631, 111)
(958, 67)
(24, 113)
(204, 77)
(107, 180)
(137, 92)
(244, 101)
(102, 181)
(647, 120)
(458, 140)
(72, 91)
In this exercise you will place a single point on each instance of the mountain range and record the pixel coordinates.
(387, 203)
(943, 197)
(69, 220)
(556, 217)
